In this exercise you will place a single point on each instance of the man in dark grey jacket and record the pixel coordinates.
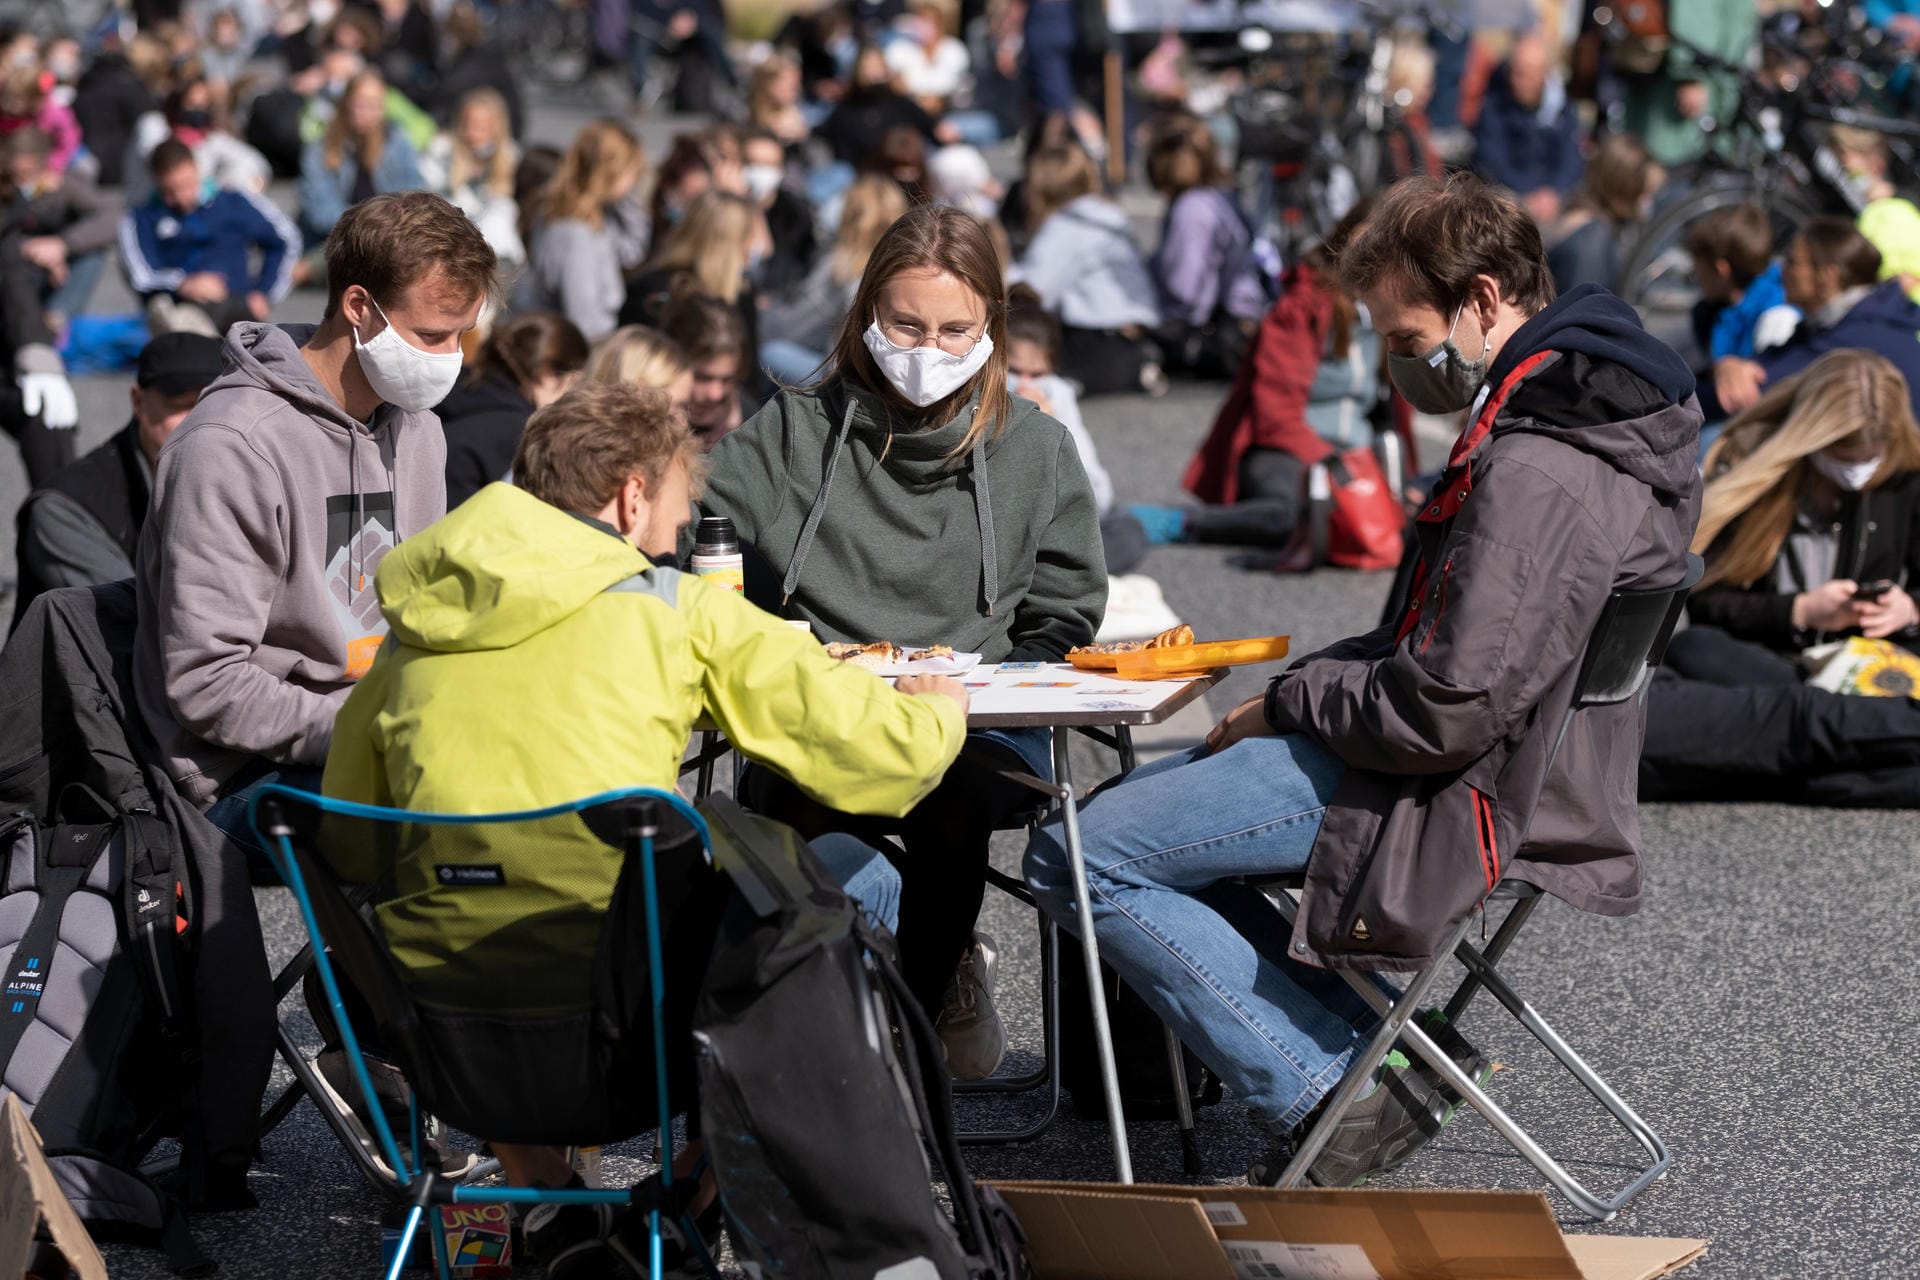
(1406, 771)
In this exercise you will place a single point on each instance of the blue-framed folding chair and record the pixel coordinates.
(481, 969)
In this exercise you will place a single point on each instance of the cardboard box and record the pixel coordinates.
(29, 1196)
(1101, 1231)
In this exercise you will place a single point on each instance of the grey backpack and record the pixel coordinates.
(94, 1031)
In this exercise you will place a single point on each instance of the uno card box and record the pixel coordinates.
(479, 1239)
(479, 1242)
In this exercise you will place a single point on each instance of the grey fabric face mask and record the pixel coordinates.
(1441, 380)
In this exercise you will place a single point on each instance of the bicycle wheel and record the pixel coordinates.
(1657, 274)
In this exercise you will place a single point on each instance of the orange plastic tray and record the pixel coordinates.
(1183, 659)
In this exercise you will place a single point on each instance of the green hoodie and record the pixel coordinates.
(872, 535)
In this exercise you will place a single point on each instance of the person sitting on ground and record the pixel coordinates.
(636, 356)
(193, 114)
(799, 328)
(25, 101)
(186, 252)
(1583, 245)
(274, 503)
(573, 256)
(710, 333)
(1306, 390)
(360, 156)
(525, 364)
(1888, 219)
(790, 219)
(1743, 308)
(1527, 138)
(55, 229)
(710, 253)
(1211, 292)
(473, 165)
(477, 62)
(910, 495)
(1811, 494)
(84, 525)
(1033, 362)
(558, 591)
(873, 105)
(1083, 263)
(1830, 275)
(1366, 764)
(774, 97)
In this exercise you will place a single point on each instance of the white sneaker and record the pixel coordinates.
(969, 1024)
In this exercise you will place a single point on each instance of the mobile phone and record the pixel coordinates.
(1871, 591)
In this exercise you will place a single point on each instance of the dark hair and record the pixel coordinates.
(1028, 320)
(538, 164)
(901, 147)
(688, 154)
(168, 156)
(1437, 237)
(578, 451)
(1833, 241)
(706, 329)
(532, 347)
(950, 240)
(1182, 154)
(1740, 236)
(386, 244)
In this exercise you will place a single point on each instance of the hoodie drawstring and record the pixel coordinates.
(983, 509)
(819, 509)
(356, 561)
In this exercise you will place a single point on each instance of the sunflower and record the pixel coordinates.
(1889, 677)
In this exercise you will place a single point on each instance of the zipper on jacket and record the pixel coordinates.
(1439, 604)
(1484, 832)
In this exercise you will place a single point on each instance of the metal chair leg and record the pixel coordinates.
(1048, 1077)
(1502, 938)
(1182, 1106)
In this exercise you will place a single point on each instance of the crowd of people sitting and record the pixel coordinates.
(839, 318)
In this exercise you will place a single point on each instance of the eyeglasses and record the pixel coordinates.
(954, 341)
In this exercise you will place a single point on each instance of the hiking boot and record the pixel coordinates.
(969, 1024)
(1406, 1108)
(336, 1079)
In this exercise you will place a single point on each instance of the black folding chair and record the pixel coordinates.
(1626, 647)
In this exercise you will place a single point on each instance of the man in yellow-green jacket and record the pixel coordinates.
(537, 655)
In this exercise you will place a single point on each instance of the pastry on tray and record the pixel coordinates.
(1179, 635)
(873, 657)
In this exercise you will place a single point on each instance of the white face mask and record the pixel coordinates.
(1851, 476)
(926, 375)
(762, 181)
(402, 374)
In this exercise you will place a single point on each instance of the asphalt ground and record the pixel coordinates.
(1759, 1011)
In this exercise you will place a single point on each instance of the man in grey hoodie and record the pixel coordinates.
(311, 456)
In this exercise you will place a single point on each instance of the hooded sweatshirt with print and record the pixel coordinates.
(869, 532)
(272, 508)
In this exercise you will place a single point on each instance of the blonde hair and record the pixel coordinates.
(603, 155)
(1056, 177)
(761, 107)
(710, 243)
(872, 204)
(636, 356)
(1757, 468)
(339, 137)
(465, 167)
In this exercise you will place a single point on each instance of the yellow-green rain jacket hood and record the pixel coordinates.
(502, 567)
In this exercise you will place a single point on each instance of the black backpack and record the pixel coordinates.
(95, 1037)
(1139, 1052)
(818, 1116)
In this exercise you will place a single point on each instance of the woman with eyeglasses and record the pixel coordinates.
(909, 497)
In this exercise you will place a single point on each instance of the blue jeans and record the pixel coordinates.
(83, 276)
(229, 812)
(1163, 850)
(790, 364)
(867, 878)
